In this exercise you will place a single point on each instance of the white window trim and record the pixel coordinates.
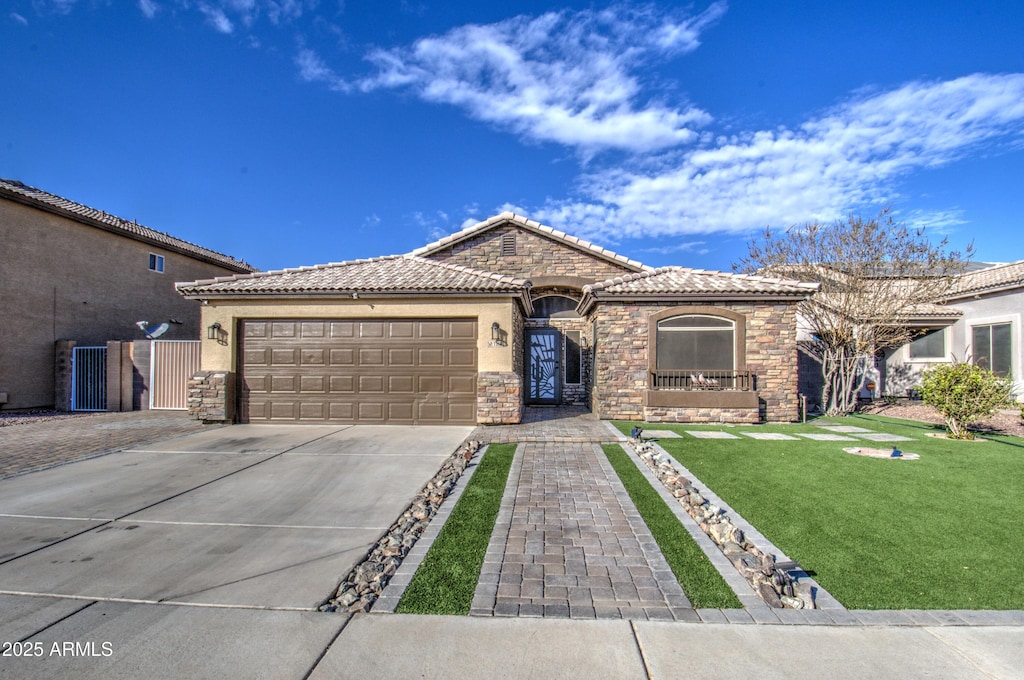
(947, 359)
(1015, 339)
(160, 262)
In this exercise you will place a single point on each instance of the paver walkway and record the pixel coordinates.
(574, 545)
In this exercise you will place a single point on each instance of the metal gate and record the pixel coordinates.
(89, 379)
(172, 364)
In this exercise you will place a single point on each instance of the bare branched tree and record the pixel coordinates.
(874, 276)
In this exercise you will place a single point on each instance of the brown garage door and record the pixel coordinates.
(395, 371)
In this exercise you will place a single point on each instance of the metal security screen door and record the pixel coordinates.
(543, 366)
(89, 379)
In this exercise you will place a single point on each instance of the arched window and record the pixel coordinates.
(696, 342)
(554, 306)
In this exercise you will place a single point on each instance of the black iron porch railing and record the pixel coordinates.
(742, 381)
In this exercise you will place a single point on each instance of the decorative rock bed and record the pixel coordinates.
(363, 585)
(774, 584)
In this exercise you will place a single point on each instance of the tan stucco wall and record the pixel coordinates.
(223, 356)
(65, 280)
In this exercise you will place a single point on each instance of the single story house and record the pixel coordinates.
(504, 314)
(71, 272)
(978, 321)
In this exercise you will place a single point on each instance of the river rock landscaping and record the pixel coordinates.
(364, 583)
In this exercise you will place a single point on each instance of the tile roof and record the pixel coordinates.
(537, 227)
(388, 276)
(990, 280)
(684, 282)
(687, 280)
(37, 198)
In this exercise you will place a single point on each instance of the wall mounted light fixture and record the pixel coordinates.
(213, 332)
(499, 337)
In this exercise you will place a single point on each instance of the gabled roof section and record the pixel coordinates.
(537, 228)
(391, 276)
(683, 283)
(37, 198)
(996, 279)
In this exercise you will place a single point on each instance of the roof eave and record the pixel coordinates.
(591, 298)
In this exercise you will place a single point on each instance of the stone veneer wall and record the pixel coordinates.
(621, 380)
(535, 256)
(211, 396)
(499, 398)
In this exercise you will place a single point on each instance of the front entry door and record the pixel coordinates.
(543, 366)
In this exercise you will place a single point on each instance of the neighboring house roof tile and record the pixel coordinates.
(990, 280)
(390, 276)
(43, 200)
(684, 282)
(532, 225)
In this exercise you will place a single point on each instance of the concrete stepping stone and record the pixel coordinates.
(661, 434)
(769, 436)
(845, 429)
(884, 437)
(711, 434)
(827, 437)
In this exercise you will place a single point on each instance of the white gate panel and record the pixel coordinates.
(172, 364)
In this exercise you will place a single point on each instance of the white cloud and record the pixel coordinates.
(19, 19)
(853, 155)
(149, 8)
(217, 18)
(561, 77)
(312, 69)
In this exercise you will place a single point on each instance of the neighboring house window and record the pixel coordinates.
(573, 358)
(508, 245)
(156, 262)
(991, 348)
(554, 306)
(695, 342)
(931, 345)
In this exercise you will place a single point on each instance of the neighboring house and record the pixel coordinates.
(979, 321)
(70, 272)
(502, 314)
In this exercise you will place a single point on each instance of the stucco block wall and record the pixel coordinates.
(66, 280)
(535, 256)
(622, 364)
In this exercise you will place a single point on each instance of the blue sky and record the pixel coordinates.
(291, 132)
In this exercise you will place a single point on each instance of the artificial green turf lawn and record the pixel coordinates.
(942, 532)
(446, 580)
(701, 582)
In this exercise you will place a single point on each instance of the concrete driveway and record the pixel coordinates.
(253, 516)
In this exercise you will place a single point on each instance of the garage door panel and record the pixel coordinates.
(402, 371)
(312, 384)
(462, 358)
(284, 384)
(371, 383)
(371, 356)
(401, 356)
(400, 411)
(283, 329)
(313, 329)
(462, 384)
(430, 357)
(341, 384)
(343, 357)
(343, 329)
(313, 357)
(462, 330)
(401, 384)
(370, 410)
(284, 356)
(430, 383)
(283, 410)
(315, 410)
(462, 411)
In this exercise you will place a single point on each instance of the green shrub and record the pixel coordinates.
(964, 393)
